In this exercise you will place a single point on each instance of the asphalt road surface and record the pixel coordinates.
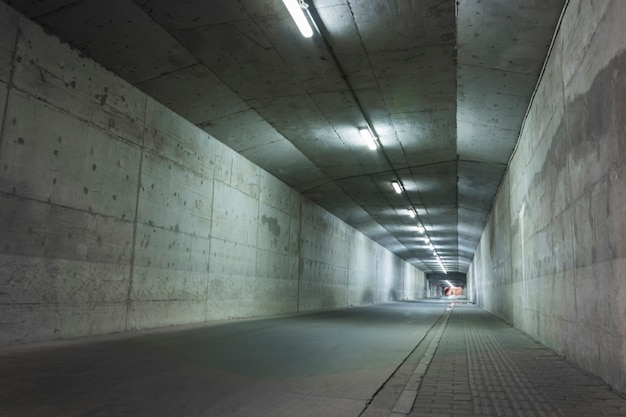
(326, 364)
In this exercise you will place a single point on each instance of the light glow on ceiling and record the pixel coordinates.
(295, 8)
(369, 139)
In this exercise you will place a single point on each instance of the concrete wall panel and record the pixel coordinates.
(52, 72)
(174, 198)
(277, 194)
(273, 230)
(389, 280)
(117, 214)
(223, 160)
(564, 193)
(273, 265)
(235, 215)
(235, 258)
(66, 161)
(246, 176)
(172, 137)
(3, 99)
(159, 313)
(362, 272)
(55, 322)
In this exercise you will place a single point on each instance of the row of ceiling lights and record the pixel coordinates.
(399, 188)
(373, 143)
(296, 9)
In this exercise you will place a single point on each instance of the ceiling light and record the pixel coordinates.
(369, 139)
(297, 14)
(411, 213)
(396, 186)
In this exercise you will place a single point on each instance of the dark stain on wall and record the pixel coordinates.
(598, 115)
(272, 224)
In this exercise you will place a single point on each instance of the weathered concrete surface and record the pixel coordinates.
(552, 258)
(117, 214)
(443, 84)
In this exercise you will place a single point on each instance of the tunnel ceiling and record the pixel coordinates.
(444, 85)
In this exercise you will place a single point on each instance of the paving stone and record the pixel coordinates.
(484, 367)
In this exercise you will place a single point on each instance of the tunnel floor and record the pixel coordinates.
(397, 359)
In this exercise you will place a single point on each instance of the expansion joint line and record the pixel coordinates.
(133, 248)
(419, 371)
(405, 402)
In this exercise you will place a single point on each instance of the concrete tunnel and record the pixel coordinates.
(122, 219)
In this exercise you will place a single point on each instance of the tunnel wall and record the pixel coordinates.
(116, 214)
(552, 258)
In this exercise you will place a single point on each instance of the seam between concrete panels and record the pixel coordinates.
(207, 296)
(134, 237)
(347, 269)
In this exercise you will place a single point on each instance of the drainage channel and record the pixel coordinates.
(396, 396)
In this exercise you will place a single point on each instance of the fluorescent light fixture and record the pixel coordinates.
(396, 186)
(420, 229)
(297, 14)
(369, 139)
(444, 270)
(411, 213)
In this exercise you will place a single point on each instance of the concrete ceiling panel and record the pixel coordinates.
(411, 23)
(346, 43)
(512, 35)
(300, 119)
(485, 143)
(243, 131)
(499, 110)
(195, 13)
(419, 79)
(487, 80)
(240, 55)
(445, 92)
(288, 164)
(195, 93)
(425, 138)
(34, 9)
(478, 183)
(139, 50)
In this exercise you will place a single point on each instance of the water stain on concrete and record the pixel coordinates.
(272, 224)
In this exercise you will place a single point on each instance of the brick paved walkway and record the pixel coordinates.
(483, 367)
